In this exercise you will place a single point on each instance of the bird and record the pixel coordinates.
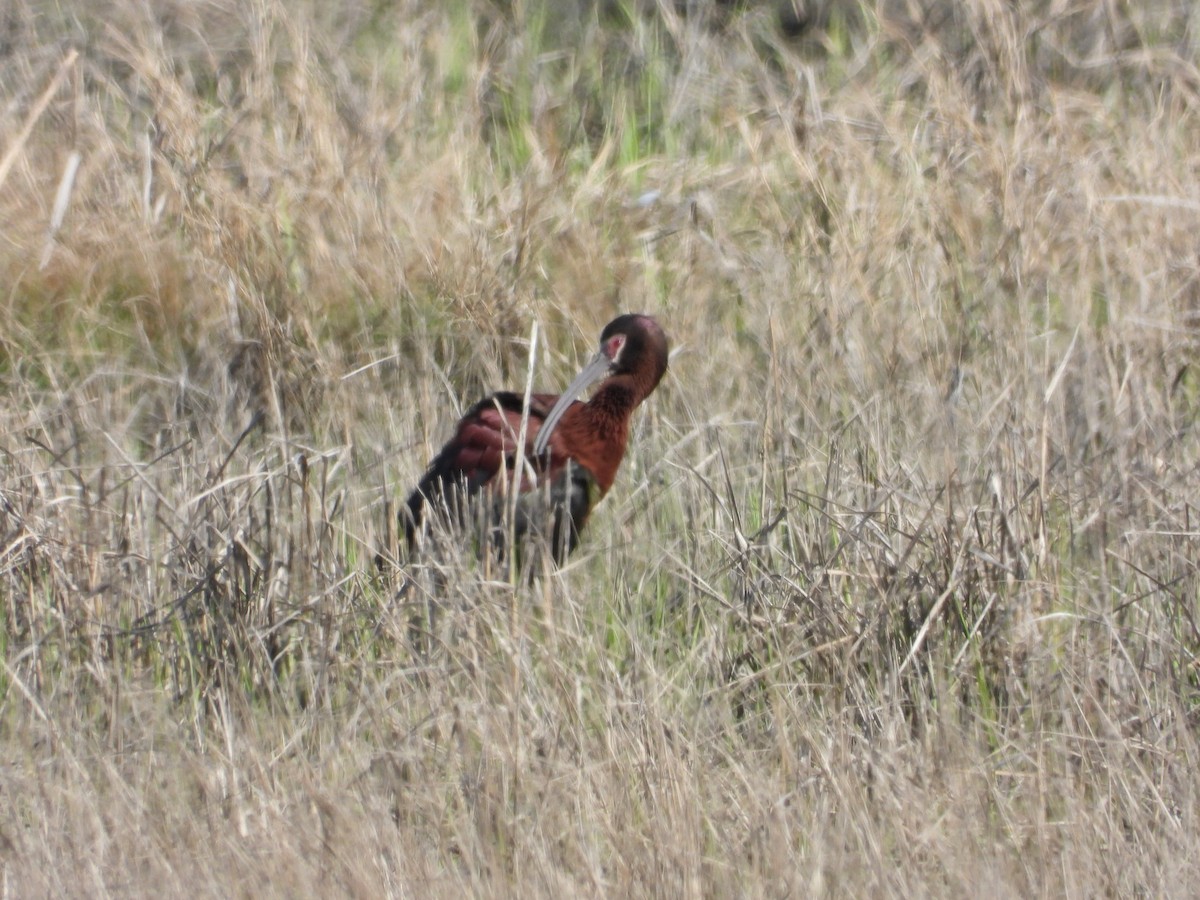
(571, 455)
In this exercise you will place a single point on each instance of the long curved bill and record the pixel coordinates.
(591, 373)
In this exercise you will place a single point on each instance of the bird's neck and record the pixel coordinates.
(607, 413)
(603, 423)
(617, 397)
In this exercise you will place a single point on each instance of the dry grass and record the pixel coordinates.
(896, 593)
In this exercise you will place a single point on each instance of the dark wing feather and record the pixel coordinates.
(483, 446)
(573, 493)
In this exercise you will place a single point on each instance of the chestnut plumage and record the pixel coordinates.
(572, 449)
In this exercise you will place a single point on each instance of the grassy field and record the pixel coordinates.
(895, 595)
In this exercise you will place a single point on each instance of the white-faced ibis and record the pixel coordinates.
(572, 449)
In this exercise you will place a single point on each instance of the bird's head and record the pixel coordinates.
(633, 345)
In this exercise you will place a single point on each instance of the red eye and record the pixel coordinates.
(614, 346)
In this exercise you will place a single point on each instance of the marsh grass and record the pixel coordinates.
(896, 591)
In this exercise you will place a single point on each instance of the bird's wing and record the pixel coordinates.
(486, 440)
(483, 446)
